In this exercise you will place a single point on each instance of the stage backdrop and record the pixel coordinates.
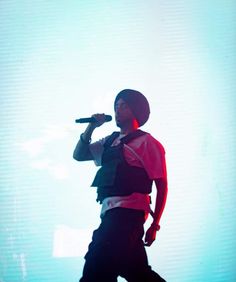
(61, 60)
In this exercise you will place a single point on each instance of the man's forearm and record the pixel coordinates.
(150, 235)
(81, 151)
(161, 197)
(86, 136)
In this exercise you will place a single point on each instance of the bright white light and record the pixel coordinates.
(70, 242)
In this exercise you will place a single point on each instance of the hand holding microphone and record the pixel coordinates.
(95, 120)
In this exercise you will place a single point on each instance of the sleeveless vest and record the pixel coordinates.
(116, 177)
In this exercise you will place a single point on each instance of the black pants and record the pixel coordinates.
(117, 249)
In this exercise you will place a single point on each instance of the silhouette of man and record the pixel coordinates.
(131, 160)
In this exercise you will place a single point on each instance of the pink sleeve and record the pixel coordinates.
(153, 156)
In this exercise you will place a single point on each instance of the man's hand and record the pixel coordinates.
(82, 151)
(150, 236)
(100, 119)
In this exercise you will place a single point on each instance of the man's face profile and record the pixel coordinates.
(123, 113)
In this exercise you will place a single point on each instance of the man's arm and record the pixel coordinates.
(162, 189)
(82, 152)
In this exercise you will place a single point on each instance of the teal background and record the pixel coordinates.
(61, 60)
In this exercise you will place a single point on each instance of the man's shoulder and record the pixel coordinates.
(151, 141)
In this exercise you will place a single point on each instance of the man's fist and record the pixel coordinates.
(100, 119)
(150, 236)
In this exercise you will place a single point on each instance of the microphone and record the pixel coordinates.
(92, 119)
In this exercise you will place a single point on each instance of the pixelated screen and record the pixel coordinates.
(62, 60)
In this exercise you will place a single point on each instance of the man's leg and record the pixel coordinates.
(111, 244)
(99, 264)
(135, 266)
(94, 271)
(117, 249)
(138, 270)
(148, 275)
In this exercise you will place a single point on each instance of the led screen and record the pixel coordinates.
(62, 60)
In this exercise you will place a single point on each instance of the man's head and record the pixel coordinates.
(131, 104)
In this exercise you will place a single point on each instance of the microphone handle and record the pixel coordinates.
(85, 120)
(92, 119)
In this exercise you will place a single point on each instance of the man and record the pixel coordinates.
(131, 160)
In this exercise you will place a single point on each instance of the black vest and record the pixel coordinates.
(116, 177)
